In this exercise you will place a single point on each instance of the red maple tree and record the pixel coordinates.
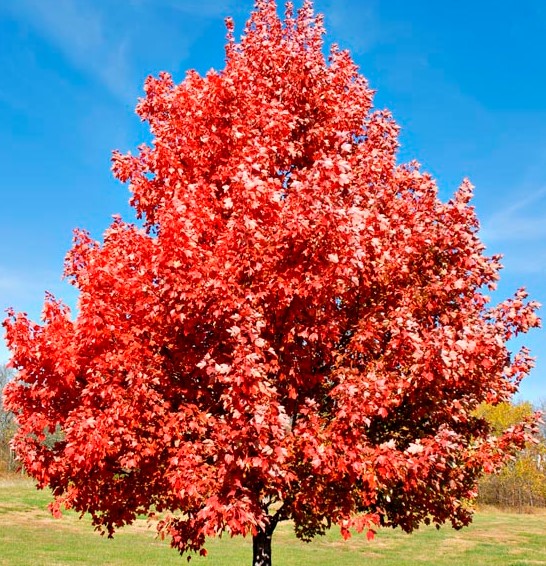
(299, 331)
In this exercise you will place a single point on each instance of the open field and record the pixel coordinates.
(30, 536)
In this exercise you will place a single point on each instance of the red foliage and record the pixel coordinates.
(299, 331)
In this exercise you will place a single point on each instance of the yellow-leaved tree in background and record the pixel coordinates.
(522, 482)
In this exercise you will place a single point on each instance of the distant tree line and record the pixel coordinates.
(521, 483)
(7, 426)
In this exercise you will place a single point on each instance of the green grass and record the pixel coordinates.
(30, 536)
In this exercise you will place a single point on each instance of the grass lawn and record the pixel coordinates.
(29, 536)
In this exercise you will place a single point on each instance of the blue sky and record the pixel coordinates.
(466, 80)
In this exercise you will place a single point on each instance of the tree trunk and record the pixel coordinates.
(261, 547)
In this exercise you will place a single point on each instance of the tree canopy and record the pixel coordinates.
(300, 330)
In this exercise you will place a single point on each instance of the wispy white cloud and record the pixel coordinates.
(80, 31)
(518, 231)
(114, 42)
(523, 220)
(525, 261)
(8, 283)
(27, 287)
(201, 8)
(360, 25)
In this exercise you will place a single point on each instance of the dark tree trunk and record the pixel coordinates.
(261, 547)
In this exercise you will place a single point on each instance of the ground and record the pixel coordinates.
(29, 535)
